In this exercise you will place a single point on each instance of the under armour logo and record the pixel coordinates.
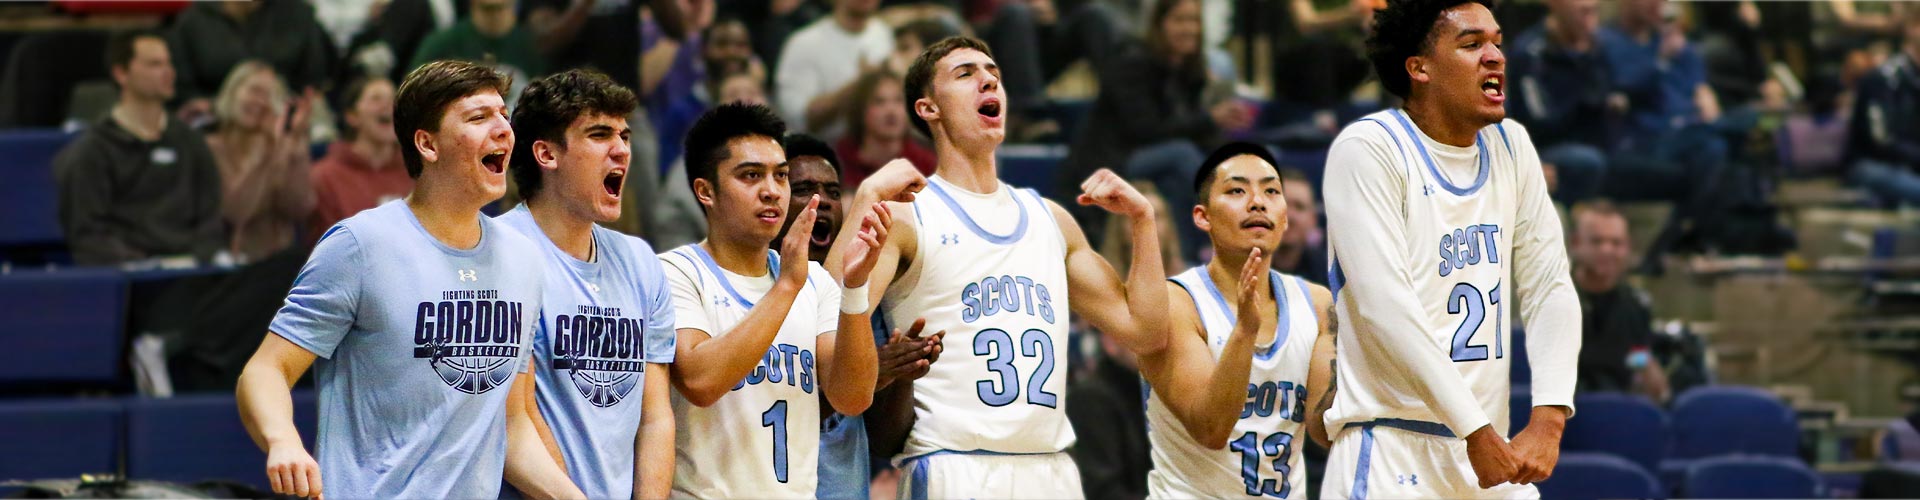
(469, 275)
(720, 301)
(949, 239)
(593, 288)
(1413, 479)
(1426, 190)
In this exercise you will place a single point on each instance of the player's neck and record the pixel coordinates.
(453, 222)
(970, 170)
(744, 258)
(1430, 116)
(145, 118)
(572, 234)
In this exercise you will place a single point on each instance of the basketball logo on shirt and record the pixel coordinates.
(470, 338)
(601, 351)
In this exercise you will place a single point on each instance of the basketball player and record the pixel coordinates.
(993, 266)
(759, 335)
(416, 314)
(605, 335)
(1439, 225)
(1230, 390)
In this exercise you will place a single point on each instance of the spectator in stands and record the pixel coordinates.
(1332, 34)
(818, 66)
(1151, 118)
(1885, 136)
(381, 36)
(1615, 355)
(877, 129)
(1109, 417)
(727, 49)
(264, 159)
(670, 74)
(1051, 36)
(677, 216)
(1303, 248)
(489, 35)
(140, 183)
(209, 39)
(599, 34)
(1563, 95)
(364, 169)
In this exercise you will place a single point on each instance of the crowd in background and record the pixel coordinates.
(243, 130)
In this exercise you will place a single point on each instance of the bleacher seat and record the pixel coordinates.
(197, 438)
(1719, 420)
(1751, 476)
(1623, 425)
(62, 326)
(1031, 165)
(1583, 476)
(29, 199)
(48, 439)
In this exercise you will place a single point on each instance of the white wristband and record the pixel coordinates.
(853, 300)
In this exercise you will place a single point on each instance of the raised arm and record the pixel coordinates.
(852, 361)
(709, 366)
(890, 415)
(1364, 213)
(1550, 309)
(1204, 394)
(532, 467)
(1134, 312)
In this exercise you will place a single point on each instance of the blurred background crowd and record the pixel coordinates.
(1736, 178)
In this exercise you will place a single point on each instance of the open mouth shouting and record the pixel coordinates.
(495, 162)
(1494, 87)
(614, 182)
(822, 232)
(990, 111)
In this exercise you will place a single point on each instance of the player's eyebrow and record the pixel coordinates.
(973, 65)
(599, 127)
(1473, 32)
(1243, 179)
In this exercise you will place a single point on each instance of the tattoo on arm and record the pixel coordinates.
(1333, 385)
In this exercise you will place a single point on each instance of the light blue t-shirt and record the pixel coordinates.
(603, 321)
(419, 343)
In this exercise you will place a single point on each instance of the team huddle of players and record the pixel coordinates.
(538, 354)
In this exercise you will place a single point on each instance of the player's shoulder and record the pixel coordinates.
(684, 261)
(1509, 131)
(1373, 133)
(508, 237)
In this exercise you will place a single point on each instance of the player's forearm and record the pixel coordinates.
(266, 405)
(1146, 289)
(530, 468)
(653, 451)
(856, 364)
(712, 367)
(1211, 422)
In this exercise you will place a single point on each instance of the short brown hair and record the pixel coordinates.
(864, 88)
(1600, 207)
(920, 73)
(423, 98)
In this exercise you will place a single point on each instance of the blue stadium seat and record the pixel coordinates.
(1751, 476)
(56, 439)
(1522, 369)
(1586, 476)
(1623, 425)
(198, 438)
(62, 326)
(1031, 165)
(29, 199)
(1719, 420)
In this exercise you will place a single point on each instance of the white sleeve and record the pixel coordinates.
(1549, 307)
(798, 82)
(688, 305)
(1366, 207)
(827, 298)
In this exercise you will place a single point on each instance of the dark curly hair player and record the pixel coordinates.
(1439, 229)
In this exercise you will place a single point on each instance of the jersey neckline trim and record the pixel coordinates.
(773, 268)
(1433, 168)
(1280, 331)
(1019, 229)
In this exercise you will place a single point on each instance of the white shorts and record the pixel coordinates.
(1388, 461)
(987, 475)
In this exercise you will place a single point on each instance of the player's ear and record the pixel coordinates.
(1200, 218)
(924, 108)
(546, 155)
(703, 192)
(1417, 70)
(423, 142)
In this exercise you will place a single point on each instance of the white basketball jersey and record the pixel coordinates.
(1461, 207)
(990, 271)
(762, 440)
(1264, 456)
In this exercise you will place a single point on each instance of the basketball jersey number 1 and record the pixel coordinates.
(776, 417)
(998, 344)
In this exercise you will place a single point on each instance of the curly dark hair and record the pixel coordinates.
(549, 105)
(1405, 29)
